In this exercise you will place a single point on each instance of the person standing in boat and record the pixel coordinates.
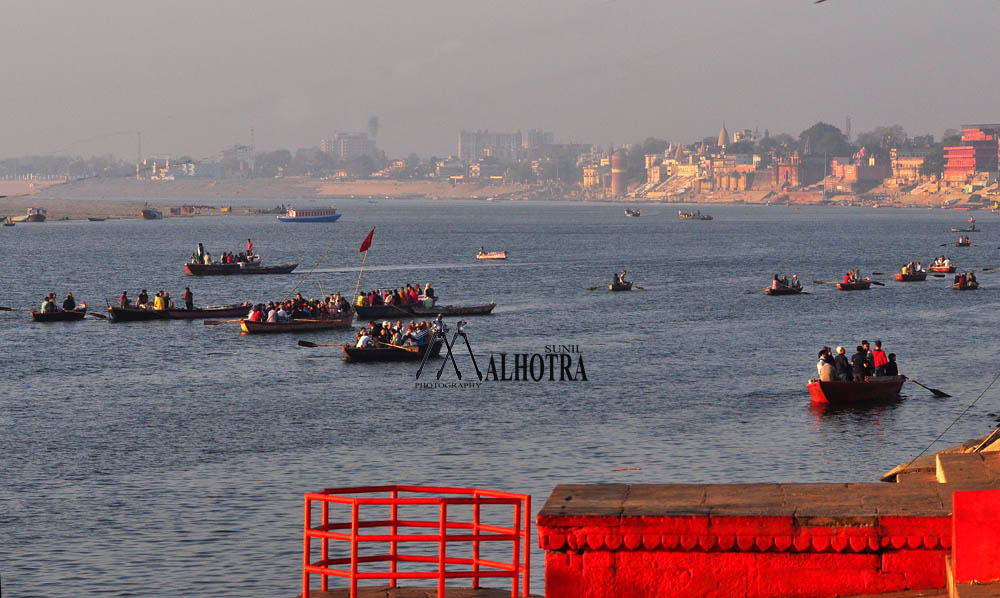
(188, 298)
(858, 361)
(841, 366)
(69, 304)
(890, 366)
(879, 360)
(142, 300)
(48, 305)
(869, 360)
(796, 284)
(200, 252)
(123, 301)
(622, 277)
(249, 247)
(825, 366)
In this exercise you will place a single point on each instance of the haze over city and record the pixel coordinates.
(196, 77)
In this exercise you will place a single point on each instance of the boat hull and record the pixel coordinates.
(617, 287)
(863, 285)
(915, 277)
(376, 312)
(965, 230)
(303, 325)
(493, 255)
(231, 269)
(228, 311)
(966, 287)
(388, 354)
(59, 316)
(957, 244)
(945, 269)
(132, 314)
(853, 392)
(330, 218)
(783, 291)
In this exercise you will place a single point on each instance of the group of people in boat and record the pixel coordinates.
(784, 283)
(941, 262)
(385, 333)
(912, 268)
(963, 279)
(618, 278)
(299, 308)
(200, 256)
(411, 293)
(49, 303)
(866, 363)
(964, 240)
(161, 300)
(852, 277)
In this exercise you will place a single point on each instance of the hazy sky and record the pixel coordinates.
(194, 77)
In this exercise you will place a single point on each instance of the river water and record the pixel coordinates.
(170, 458)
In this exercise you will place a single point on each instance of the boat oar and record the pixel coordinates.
(635, 286)
(934, 391)
(309, 344)
(937, 275)
(878, 273)
(2, 308)
(595, 288)
(217, 322)
(824, 282)
(394, 346)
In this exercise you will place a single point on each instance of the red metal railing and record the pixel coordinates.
(519, 535)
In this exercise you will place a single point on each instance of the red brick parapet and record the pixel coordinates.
(744, 540)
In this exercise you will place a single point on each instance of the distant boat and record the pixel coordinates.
(33, 215)
(321, 215)
(633, 213)
(96, 219)
(696, 215)
(8, 222)
(491, 255)
(150, 214)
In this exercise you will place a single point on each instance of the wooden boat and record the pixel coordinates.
(378, 312)
(633, 213)
(383, 353)
(966, 230)
(61, 315)
(914, 277)
(620, 286)
(150, 214)
(696, 215)
(136, 314)
(318, 215)
(946, 269)
(861, 285)
(91, 219)
(212, 311)
(884, 387)
(33, 215)
(963, 243)
(969, 286)
(783, 290)
(298, 325)
(236, 268)
(491, 255)
(8, 222)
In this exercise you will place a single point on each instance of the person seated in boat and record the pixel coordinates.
(188, 298)
(947, 262)
(960, 279)
(414, 295)
(621, 277)
(158, 303)
(169, 301)
(847, 277)
(272, 313)
(48, 305)
(365, 340)
(879, 359)
(194, 259)
(255, 314)
(123, 301)
(970, 279)
(858, 364)
(784, 281)
(776, 283)
(361, 301)
(482, 251)
(796, 283)
(919, 268)
(282, 314)
(890, 368)
(207, 258)
(142, 301)
(69, 304)
(429, 293)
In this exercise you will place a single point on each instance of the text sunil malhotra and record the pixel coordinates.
(557, 363)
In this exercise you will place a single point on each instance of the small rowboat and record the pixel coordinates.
(60, 316)
(965, 230)
(969, 286)
(782, 290)
(947, 269)
(963, 243)
(916, 276)
(884, 387)
(383, 354)
(227, 269)
(696, 215)
(861, 285)
(492, 255)
(633, 213)
(620, 286)
(220, 311)
(298, 325)
(136, 314)
(376, 312)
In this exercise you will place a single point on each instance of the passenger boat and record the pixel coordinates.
(884, 387)
(945, 269)
(783, 290)
(914, 277)
(375, 312)
(61, 315)
(696, 215)
(296, 325)
(150, 214)
(138, 314)
(236, 268)
(8, 222)
(384, 353)
(963, 243)
(318, 215)
(633, 213)
(971, 229)
(91, 219)
(491, 255)
(861, 285)
(33, 215)
(969, 286)
(620, 286)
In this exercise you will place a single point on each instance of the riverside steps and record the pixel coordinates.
(933, 532)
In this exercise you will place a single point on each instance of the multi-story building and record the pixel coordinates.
(353, 145)
(473, 145)
(536, 138)
(978, 153)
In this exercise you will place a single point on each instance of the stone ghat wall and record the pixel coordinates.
(747, 540)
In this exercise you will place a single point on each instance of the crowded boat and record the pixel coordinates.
(411, 294)
(863, 365)
(299, 308)
(413, 334)
(200, 256)
(942, 264)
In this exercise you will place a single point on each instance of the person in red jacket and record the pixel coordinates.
(879, 359)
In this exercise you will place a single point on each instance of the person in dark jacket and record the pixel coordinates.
(858, 361)
(842, 366)
(869, 359)
(890, 368)
(188, 297)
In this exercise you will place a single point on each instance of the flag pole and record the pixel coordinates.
(358, 286)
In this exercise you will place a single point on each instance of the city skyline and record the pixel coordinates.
(194, 79)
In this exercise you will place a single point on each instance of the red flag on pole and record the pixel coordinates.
(367, 242)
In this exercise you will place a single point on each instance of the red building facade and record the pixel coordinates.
(978, 153)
